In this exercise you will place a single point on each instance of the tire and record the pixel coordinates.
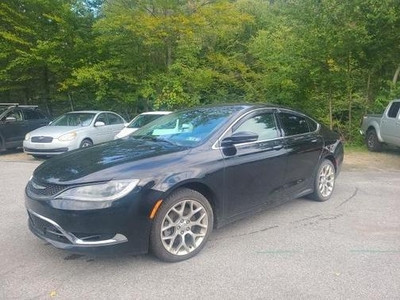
(86, 143)
(324, 181)
(372, 141)
(182, 226)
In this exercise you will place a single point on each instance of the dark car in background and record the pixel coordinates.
(168, 184)
(16, 121)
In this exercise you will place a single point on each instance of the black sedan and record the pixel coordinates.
(167, 185)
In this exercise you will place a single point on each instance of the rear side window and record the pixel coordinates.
(293, 124)
(14, 113)
(312, 124)
(33, 115)
(393, 110)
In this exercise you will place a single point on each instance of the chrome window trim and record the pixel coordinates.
(216, 146)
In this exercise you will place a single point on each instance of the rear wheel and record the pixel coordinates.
(324, 181)
(182, 226)
(372, 141)
(86, 143)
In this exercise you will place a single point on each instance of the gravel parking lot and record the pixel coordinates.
(346, 248)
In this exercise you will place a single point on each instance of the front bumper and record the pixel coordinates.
(122, 228)
(53, 233)
(55, 147)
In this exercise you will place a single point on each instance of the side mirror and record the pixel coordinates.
(99, 124)
(239, 138)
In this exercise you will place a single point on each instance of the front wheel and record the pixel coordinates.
(324, 181)
(86, 143)
(182, 226)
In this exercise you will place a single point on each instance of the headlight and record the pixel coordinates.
(108, 191)
(67, 137)
(27, 137)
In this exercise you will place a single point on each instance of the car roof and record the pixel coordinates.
(90, 112)
(160, 112)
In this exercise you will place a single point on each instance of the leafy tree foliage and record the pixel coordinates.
(335, 59)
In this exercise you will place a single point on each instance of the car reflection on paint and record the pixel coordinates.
(167, 185)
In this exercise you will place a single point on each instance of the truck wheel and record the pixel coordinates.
(372, 142)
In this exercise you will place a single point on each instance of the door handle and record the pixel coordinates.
(277, 147)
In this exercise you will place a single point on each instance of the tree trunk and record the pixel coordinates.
(46, 90)
(396, 76)
(330, 108)
(71, 102)
(368, 87)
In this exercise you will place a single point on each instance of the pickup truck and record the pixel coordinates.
(382, 129)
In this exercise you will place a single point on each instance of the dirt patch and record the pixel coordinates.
(16, 155)
(387, 160)
(354, 160)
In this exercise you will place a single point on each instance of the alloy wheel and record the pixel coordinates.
(326, 180)
(184, 227)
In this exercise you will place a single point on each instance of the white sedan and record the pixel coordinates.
(139, 121)
(73, 130)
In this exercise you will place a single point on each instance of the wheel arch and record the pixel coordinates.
(203, 189)
(332, 159)
(374, 126)
(86, 138)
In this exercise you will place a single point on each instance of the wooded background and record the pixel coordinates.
(333, 59)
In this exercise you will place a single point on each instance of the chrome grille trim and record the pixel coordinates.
(117, 239)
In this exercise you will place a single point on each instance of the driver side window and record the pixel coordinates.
(17, 114)
(263, 124)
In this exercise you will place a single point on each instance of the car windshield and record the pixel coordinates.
(3, 109)
(142, 120)
(187, 128)
(74, 119)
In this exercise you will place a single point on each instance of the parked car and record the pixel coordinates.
(73, 130)
(167, 185)
(139, 121)
(16, 121)
(383, 128)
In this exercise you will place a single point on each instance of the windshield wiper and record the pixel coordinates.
(155, 139)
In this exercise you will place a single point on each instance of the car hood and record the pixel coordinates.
(55, 131)
(118, 159)
(125, 132)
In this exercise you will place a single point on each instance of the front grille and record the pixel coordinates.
(46, 229)
(41, 139)
(38, 189)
